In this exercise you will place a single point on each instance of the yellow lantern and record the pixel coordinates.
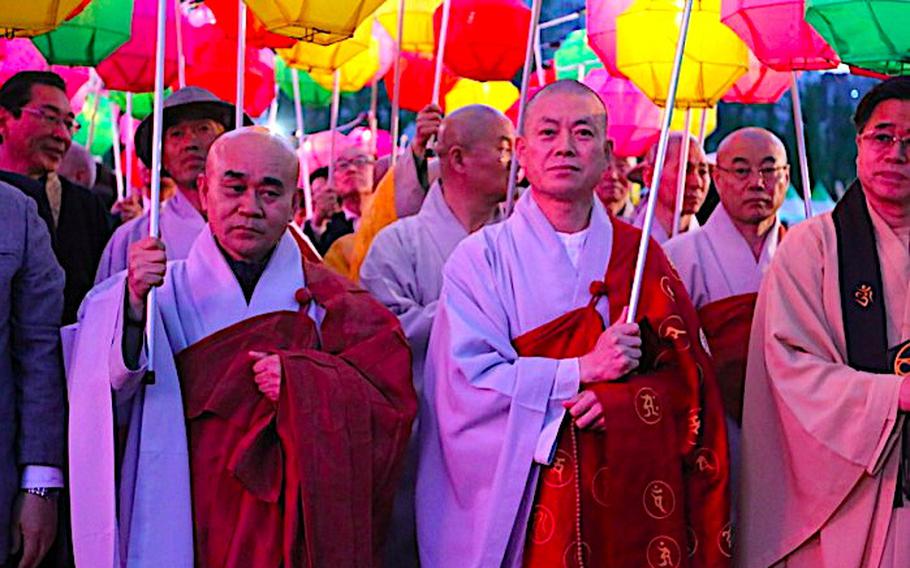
(714, 58)
(310, 56)
(497, 94)
(355, 73)
(317, 21)
(418, 23)
(26, 19)
(679, 121)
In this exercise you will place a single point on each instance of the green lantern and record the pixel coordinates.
(311, 93)
(102, 27)
(872, 34)
(574, 52)
(142, 102)
(102, 135)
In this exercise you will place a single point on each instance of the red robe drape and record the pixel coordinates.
(652, 490)
(308, 481)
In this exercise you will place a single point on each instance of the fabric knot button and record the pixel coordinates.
(598, 288)
(303, 296)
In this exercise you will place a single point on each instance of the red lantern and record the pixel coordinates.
(486, 38)
(760, 85)
(226, 13)
(416, 90)
(132, 66)
(633, 121)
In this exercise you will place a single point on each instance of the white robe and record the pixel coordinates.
(179, 222)
(658, 233)
(821, 440)
(200, 296)
(490, 417)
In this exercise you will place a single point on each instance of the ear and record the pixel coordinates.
(296, 199)
(203, 187)
(608, 148)
(5, 117)
(521, 149)
(456, 158)
(787, 175)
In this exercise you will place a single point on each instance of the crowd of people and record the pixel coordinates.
(414, 375)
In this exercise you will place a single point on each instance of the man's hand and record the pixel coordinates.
(325, 204)
(128, 208)
(616, 354)
(586, 410)
(428, 120)
(34, 528)
(147, 263)
(267, 369)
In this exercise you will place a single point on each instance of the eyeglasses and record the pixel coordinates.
(69, 124)
(767, 173)
(882, 142)
(358, 162)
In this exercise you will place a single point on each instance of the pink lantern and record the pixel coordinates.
(363, 136)
(19, 55)
(386, 50)
(602, 30)
(317, 148)
(132, 66)
(633, 121)
(74, 77)
(777, 33)
(760, 85)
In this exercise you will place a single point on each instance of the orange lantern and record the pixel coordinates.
(317, 21)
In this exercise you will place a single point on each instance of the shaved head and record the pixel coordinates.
(467, 125)
(263, 140)
(697, 174)
(750, 136)
(564, 87)
(752, 175)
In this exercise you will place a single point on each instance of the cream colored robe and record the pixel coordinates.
(821, 441)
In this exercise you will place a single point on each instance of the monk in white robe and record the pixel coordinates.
(193, 474)
(403, 269)
(823, 419)
(697, 182)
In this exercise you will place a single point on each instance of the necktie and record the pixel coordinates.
(54, 191)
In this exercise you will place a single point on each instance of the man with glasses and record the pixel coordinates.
(36, 130)
(722, 264)
(698, 180)
(825, 441)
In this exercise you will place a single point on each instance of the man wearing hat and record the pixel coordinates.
(193, 118)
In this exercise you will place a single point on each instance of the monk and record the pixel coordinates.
(615, 188)
(697, 182)
(825, 448)
(403, 269)
(272, 431)
(549, 436)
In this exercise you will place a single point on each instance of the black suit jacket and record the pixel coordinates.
(338, 226)
(83, 230)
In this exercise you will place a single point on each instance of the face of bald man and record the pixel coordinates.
(248, 191)
(697, 182)
(752, 175)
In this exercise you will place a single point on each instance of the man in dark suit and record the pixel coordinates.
(31, 382)
(329, 223)
(36, 129)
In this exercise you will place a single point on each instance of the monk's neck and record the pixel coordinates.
(665, 218)
(191, 194)
(755, 233)
(566, 216)
(895, 215)
(471, 210)
(10, 162)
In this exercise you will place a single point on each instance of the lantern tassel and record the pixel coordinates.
(241, 62)
(681, 172)
(523, 99)
(659, 164)
(801, 147)
(396, 90)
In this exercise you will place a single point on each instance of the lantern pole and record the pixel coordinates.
(703, 127)
(333, 119)
(396, 88)
(538, 57)
(801, 147)
(118, 163)
(374, 121)
(523, 99)
(441, 50)
(659, 164)
(681, 172)
(241, 63)
(301, 135)
(96, 92)
(129, 140)
(155, 205)
(273, 108)
(181, 57)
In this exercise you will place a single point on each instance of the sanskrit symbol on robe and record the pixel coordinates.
(647, 405)
(902, 361)
(725, 540)
(864, 295)
(663, 552)
(562, 473)
(659, 500)
(673, 328)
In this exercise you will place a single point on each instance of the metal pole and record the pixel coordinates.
(181, 56)
(523, 99)
(374, 121)
(441, 50)
(561, 20)
(681, 172)
(241, 63)
(333, 120)
(155, 205)
(538, 57)
(396, 89)
(301, 143)
(130, 149)
(96, 94)
(118, 163)
(801, 147)
(659, 164)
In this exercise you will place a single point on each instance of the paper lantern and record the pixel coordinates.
(311, 94)
(486, 38)
(715, 58)
(317, 148)
(872, 34)
(760, 85)
(19, 55)
(354, 73)
(225, 12)
(132, 66)
(417, 72)
(363, 136)
(778, 34)
(74, 77)
(418, 23)
(322, 22)
(27, 18)
(102, 136)
(102, 27)
(601, 19)
(633, 121)
(497, 94)
(309, 56)
(678, 122)
(387, 50)
(574, 53)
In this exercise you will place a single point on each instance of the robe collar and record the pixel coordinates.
(447, 230)
(181, 207)
(741, 272)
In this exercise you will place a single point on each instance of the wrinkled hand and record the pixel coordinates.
(616, 354)
(428, 121)
(267, 374)
(34, 528)
(587, 411)
(128, 208)
(325, 204)
(146, 265)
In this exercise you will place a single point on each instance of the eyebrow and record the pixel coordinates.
(233, 174)
(273, 181)
(56, 109)
(763, 160)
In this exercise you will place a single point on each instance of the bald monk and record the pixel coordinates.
(552, 432)
(281, 403)
(615, 188)
(403, 269)
(698, 180)
(825, 443)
